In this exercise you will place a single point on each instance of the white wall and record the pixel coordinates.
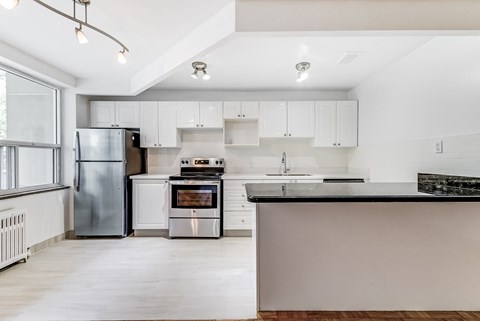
(429, 95)
(45, 214)
(266, 158)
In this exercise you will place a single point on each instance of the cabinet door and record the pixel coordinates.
(188, 114)
(273, 119)
(250, 109)
(168, 135)
(211, 114)
(301, 119)
(102, 114)
(347, 123)
(148, 124)
(127, 114)
(325, 123)
(150, 204)
(232, 109)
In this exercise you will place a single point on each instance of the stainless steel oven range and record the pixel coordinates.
(196, 201)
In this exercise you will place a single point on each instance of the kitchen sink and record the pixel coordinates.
(288, 174)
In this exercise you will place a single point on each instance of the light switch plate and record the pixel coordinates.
(439, 146)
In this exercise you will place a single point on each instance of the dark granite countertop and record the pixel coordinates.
(352, 192)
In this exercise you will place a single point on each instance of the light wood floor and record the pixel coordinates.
(132, 279)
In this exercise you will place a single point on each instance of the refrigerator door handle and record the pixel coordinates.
(76, 178)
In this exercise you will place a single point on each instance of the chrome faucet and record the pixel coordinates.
(283, 168)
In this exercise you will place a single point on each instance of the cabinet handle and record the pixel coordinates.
(338, 144)
(243, 115)
(113, 125)
(159, 144)
(197, 125)
(238, 115)
(201, 125)
(243, 221)
(243, 205)
(334, 144)
(243, 195)
(289, 134)
(154, 144)
(284, 134)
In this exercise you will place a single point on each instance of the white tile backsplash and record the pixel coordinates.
(301, 157)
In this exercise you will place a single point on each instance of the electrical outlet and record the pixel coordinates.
(439, 146)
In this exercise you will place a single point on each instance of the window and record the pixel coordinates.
(29, 127)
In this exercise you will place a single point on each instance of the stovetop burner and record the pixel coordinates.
(200, 169)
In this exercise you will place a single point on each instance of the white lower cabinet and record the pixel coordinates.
(150, 204)
(238, 213)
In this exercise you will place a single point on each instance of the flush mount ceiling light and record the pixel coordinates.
(302, 68)
(10, 4)
(200, 67)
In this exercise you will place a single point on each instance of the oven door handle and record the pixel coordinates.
(194, 182)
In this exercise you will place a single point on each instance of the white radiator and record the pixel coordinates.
(13, 245)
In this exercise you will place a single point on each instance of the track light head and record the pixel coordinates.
(82, 39)
(9, 4)
(194, 74)
(205, 75)
(121, 56)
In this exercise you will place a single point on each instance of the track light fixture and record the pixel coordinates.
(200, 68)
(302, 68)
(10, 4)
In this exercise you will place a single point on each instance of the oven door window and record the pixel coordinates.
(194, 196)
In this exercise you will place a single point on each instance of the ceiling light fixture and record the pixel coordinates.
(80, 35)
(10, 4)
(302, 68)
(200, 67)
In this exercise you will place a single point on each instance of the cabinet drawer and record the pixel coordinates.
(238, 183)
(239, 206)
(234, 221)
(235, 195)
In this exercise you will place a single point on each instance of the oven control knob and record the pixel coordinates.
(183, 162)
(216, 162)
(221, 162)
(186, 162)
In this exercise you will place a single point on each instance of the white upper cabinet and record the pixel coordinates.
(188, 114)
(273, 118)
(301, 119)
(211, 114)
(336, 123)
(148, 124)
(206, 114)
(119, 114)
(282, 119)
(158, 124)
(240, 109)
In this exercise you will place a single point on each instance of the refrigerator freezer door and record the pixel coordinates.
(100, 199)
(100, 145)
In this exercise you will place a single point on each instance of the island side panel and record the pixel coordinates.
(368, 256)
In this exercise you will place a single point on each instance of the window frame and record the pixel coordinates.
(14, 146)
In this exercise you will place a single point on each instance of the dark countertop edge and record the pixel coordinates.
(364, 199)
(38, 191)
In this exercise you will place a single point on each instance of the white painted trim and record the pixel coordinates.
(19, 60)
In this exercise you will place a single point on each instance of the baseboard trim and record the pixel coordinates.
(238, 233)
(51, 241)
(148, 233)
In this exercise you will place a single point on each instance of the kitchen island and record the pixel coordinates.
(378, 246)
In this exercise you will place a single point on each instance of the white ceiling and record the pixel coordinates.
(147, 27)
(150, 28)
(263, 63)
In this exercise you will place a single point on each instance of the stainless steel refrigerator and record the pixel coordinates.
(104, 159)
